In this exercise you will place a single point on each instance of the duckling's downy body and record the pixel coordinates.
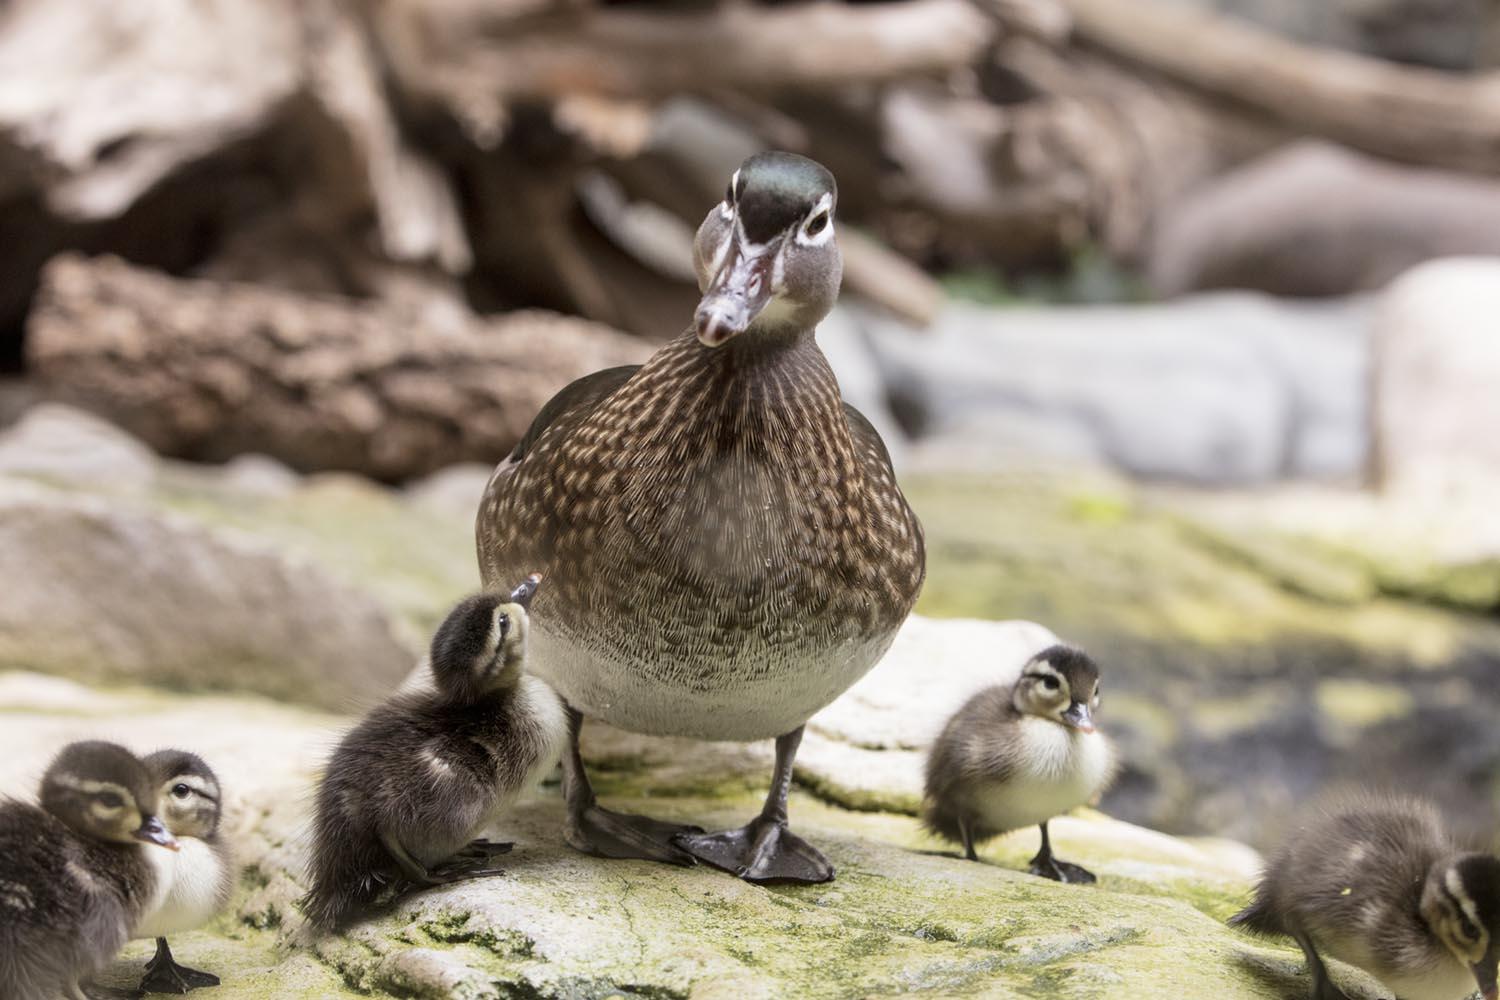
(411, 787)
(76, 872)
(1018, 755)
(729, 548)
(199, 876)
(1377, 882)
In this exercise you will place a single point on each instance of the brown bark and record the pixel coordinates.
(1415, 115)
(207, 370)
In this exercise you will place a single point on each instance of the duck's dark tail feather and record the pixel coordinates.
(1257, 918)
(344, 887)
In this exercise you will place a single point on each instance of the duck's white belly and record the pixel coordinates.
(760, 691)
(1062, 769)
(189, 889)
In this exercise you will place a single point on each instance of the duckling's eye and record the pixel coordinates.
(502, 622)
(181, 791)
(1051, 683)
(1467, 931)
(816, 224)
(110, 800)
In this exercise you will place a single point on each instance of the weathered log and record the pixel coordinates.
(207, 370)
(470, 59)
(1410, 114)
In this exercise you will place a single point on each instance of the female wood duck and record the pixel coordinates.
(1377, 882)
(729, 548)
(76, 872)
(202, 873)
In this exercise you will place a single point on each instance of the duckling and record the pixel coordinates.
(75, 875)
(409, 789)
(1376, 881)
(202, 874)
(1020, 754)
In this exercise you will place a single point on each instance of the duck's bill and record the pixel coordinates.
(523, 594)
(737, 295)
(152, 832)
(1079, 717)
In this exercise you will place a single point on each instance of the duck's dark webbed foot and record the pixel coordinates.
(164, 975)
(1046, 866)
(592, 829)
(764, 850)
(1323, 986)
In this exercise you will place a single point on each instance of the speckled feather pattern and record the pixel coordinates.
(1352, 880)
(725, 544)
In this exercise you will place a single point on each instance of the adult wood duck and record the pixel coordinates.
(726, 544)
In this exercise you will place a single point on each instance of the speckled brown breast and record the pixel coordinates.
(724, 551)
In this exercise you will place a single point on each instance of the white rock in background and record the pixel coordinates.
(261, 476)
(59, 444)
(1217, 389)
(1437, 376)
(455, 490)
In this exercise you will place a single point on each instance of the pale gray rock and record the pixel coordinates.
(1437, 375)
(102, 592)
(63, 445)
(260, 476)
(454, 491)
(1220, 389)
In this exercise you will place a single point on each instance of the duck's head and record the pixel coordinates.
(1461, 903)
(481, 645)
(766, 255)
(189, 793)
(103, 791)
(1062, 684)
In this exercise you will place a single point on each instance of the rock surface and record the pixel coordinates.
(904, 915)
(1437, 383)
(1223, 389)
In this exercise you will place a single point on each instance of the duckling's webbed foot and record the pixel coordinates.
(459, 868)
(164, 975)
(592, 829)
(485, 849)
(1046, 866)
(764, 850)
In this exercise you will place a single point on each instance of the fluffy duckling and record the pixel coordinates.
(1377, 882)
(202, 872)
(75, 875)
(409, 789)
(1021, 754)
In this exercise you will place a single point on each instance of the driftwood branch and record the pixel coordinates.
(207, 370)
(635, 53)
(1410, 114)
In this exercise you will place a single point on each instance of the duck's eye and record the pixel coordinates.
(110, 800)
(1051, 683)
(816, 224)
(181, 791)
(1467, 931)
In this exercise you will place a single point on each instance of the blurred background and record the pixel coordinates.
(1181, 318)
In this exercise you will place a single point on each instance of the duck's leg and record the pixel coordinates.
(1323, 988)
(764, 850)
(967, 836)
(593, 829)
(484, 849)
(164, 975)
(1045, 865)
(456, 869)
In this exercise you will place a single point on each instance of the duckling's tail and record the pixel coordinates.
(1258, 918)
(347, 878)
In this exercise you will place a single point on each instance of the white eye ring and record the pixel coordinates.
(822, 210)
